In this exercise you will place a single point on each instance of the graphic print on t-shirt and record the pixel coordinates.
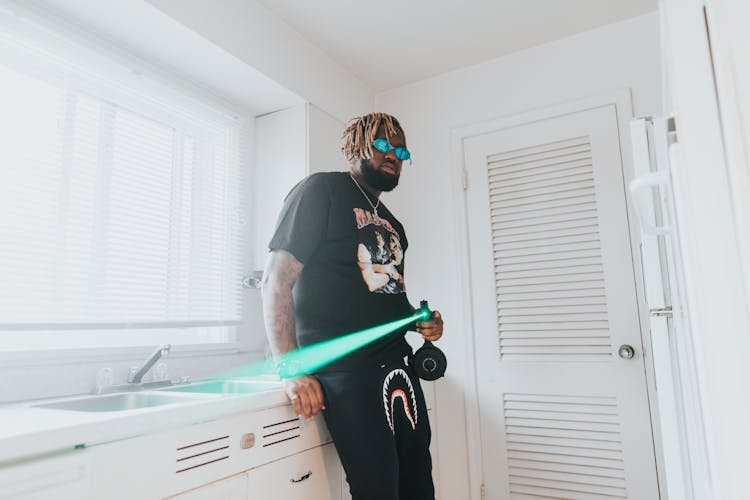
(379, 253)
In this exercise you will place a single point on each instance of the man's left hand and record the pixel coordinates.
(431, 329)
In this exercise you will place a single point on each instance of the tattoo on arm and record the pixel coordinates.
(279, 277)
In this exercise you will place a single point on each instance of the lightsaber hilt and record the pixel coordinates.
(429, 362)
(424, 312)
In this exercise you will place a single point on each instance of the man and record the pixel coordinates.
(331, 273)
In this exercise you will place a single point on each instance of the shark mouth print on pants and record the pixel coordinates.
(395, 387)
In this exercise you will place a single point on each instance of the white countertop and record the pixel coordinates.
(28, 432)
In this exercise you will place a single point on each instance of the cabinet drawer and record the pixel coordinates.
(233, 488)
(310, 475)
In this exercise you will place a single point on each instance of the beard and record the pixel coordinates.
(377, 179)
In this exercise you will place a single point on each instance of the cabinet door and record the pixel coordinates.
(311, 475)
(281, 159)
(233, 488)
(63, 477)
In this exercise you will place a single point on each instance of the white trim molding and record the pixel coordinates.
(622, 101)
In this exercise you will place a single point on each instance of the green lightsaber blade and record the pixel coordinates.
(308, 359)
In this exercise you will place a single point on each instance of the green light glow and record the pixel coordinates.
(424, 314)
(308, 359)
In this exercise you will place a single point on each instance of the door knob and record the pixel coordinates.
(626, 352)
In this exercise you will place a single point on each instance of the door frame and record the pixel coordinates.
(622, 101)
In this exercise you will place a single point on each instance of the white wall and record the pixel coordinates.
(250, 32)
(709, 95)
(730, 50)
(324, 141)
(622, 55)
(152, 36)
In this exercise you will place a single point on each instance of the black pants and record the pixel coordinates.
(378, 420)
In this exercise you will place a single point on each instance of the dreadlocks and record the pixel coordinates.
(360, 134)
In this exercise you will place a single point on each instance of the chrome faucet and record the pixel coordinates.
(162, 350)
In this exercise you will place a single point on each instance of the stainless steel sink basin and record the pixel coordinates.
(119, 402)
(226, 387)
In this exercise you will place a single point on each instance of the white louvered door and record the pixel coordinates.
(553, 293)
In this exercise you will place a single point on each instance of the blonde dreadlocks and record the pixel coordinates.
(361, 131)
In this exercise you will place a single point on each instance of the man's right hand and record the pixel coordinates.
(282, 271)
(305, 394)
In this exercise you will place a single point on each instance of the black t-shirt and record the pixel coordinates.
(353, 266)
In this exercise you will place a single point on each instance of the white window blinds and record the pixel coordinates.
(119, 194)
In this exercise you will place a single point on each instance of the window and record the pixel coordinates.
(120, 201)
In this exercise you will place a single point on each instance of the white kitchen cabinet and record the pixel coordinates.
(280, 163)
(231, 488)
(187, 458)
(63, 477)
(324, 142)
(311, 475)
(289, 145)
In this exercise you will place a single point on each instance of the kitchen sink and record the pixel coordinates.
(119, 402)
(227, 387)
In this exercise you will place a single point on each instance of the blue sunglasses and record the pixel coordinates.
(383, 146)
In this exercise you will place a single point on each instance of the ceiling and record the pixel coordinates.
(390, 43)
(161, 43)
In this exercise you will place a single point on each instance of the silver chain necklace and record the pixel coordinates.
(375, 206)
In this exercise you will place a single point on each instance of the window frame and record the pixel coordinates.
(129, 67)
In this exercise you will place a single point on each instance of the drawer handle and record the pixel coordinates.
(301, 478)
